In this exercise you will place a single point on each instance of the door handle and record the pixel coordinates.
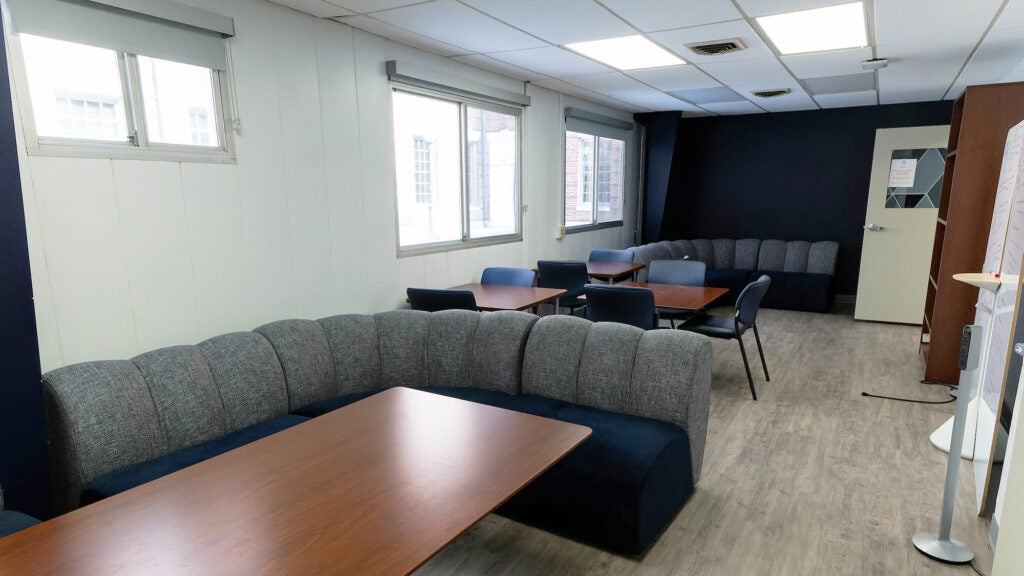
(874, 227)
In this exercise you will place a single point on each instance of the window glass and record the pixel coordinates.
(579, 183)
(492, 150)
(428, 169)
(609, 179)
(75, 90)
(178, 100)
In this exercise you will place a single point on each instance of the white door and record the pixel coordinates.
(896, 255)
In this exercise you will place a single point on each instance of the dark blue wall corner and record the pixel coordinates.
(660, 152)
(791, 176)
(24, 462)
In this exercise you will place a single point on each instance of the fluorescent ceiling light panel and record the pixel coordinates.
(627, 53)
(830, 28)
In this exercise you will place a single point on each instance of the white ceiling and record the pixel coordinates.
(935, 47)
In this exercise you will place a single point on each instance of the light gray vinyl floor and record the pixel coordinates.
(812, 478)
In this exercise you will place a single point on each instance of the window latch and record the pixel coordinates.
(133, 137)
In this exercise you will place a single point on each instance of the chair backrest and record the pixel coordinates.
(569, 276)
(604, 255)
(749, 300)
(508, 276)
(680, 272)
(622, 304)
(435, 300)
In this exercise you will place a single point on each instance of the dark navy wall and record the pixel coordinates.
(660, 147)
(24, 471)
(792, 176)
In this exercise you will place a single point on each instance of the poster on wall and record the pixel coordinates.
(915, 178)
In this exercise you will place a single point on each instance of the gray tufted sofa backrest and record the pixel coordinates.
(745, 254)
(106, 415)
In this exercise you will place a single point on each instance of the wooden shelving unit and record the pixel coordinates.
(982, 115)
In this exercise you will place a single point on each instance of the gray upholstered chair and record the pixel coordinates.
(745, 317)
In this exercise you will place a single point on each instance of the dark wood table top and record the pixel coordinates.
(612, 270)
(680, 297)
(377, 487)
(491, 297)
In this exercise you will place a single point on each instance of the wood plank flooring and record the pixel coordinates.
(812, 478)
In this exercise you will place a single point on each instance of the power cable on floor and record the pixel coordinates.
(915, 401)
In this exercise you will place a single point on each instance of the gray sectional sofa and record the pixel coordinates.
(116, 424)
(802, 272)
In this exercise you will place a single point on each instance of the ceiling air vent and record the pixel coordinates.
(716, 47)
(771, 93)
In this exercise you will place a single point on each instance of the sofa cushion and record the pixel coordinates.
(138, 474)
(746, 253)
(618, 489)
(725, 253)
(11, 522)
(333, 403)
(705, 251)
(248, 375)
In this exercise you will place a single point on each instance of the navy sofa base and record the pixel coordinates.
(11, 522)
(618, 490)
(789, 290)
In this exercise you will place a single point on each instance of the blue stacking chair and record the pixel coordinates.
(508, 276)
(569, 276)
(604, 255)
(622, 304)
(680, 273)
(434, 300)
(747, 305)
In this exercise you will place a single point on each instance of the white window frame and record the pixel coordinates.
(466, 241)
(593, 205)
(139, 149)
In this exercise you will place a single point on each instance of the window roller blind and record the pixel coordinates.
(578, 120)
(165, 30)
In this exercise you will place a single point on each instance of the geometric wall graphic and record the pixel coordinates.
(915, 178)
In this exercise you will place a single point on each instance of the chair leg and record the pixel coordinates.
(746, 365)
(760, 351)
(672, 321)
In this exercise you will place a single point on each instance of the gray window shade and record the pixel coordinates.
(577, 120)
(149, 31)
(422, 78)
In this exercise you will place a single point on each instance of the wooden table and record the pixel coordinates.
(680, 297)
(377, 487)
(491, 297)
(609, 271)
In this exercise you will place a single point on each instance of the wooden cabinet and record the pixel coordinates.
(977, 135)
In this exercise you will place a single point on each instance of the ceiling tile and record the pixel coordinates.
(755, 8)
(998, 55)
(715, 95)
(605, 83)
(746, 75)
(731, 108)
(797, 100)
(317, 8)
(674, 78)
(924, 60)
(488, 63)
(848, 99)
(558, 22)
(654, 15)
(1012, 16)
(364, 6)
(677, 40)
(832, 63)
(620, 87)
(566, 88)
(551, 61)
(656, 100)
(859, 82)
(373, 26)
(459, 25)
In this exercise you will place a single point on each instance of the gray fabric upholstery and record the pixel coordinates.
(552, 362)
(746, 253)
(680, 249)
(249, 377)
(772, 256)
(725, 253)
(449, 347)
(498, 350)
(187, 401)
(306, 359)
(100, 417)
(821, 258)
(402, 335)
(705, 251)
(353, 342)
(672, 383)
(796, 256)
(607, 362)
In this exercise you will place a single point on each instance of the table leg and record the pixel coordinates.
(556, 306)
